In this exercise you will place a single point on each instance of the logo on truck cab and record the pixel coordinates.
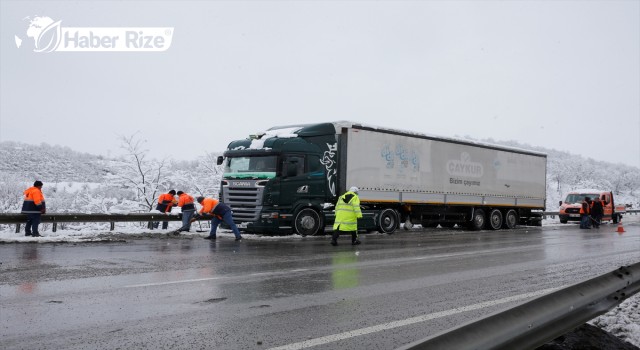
(464, 167)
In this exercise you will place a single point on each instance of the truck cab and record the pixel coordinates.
(284, 180)
(570, 206)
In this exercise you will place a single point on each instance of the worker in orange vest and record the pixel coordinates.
(185, 201)
(165, 202)
(221, 213)
(34, 206)
(584, 213)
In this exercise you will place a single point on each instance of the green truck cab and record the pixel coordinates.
(280, 182)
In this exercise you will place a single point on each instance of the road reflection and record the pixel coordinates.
(29, 256)
(345, 274)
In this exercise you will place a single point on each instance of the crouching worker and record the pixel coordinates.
(185, 201)
(165, 202)
(347, 214)
(221, 213)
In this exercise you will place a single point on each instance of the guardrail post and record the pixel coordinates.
(17, 228)
(55, 227)
(112, 226)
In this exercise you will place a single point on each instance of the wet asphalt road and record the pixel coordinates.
(286, 292)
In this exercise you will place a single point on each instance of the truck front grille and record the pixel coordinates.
(244, 198)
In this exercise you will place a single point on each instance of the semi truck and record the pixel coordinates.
(288, 178)
(570, 208)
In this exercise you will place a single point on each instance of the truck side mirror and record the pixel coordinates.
(220, 160)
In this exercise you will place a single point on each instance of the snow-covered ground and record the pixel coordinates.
(623, 321)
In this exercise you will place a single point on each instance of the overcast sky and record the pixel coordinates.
(556, 74)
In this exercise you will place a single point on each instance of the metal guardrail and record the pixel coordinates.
(541, 320)
(16, 218)
(553, 214)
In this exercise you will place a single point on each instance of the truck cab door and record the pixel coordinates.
(607, 205)
(303, 179)
(292, 183)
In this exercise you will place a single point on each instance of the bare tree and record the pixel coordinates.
(11, 188)
(145, 177)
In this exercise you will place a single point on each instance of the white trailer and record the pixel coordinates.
(433, 180)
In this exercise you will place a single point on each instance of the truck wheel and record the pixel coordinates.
(307, 222)
(510, 220)
(388, 221)
(615, 218)
(448, 224)
(495, 219)
(477, 222)
(563, 219)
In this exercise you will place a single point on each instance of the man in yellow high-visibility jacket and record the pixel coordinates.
(347, 215)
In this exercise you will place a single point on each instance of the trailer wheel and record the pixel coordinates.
(495, 219)
(388, 221)
(477, 222)
(511, 219)
(308, 222)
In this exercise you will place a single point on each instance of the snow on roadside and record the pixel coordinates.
(623, 321)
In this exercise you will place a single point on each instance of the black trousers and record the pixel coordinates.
(336, 233)
(33, 220)
(165, 224)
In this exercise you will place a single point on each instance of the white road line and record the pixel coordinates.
(258, 274)
(171, 282)
(408, 321)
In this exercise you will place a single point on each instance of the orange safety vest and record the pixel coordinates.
(186, 202)
(207, 205)
(165, 202)
(584, 208)
(33, 200)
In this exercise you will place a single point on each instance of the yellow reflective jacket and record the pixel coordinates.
(347, 212)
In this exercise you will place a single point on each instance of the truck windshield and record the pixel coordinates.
(579, 197)
(259, 167)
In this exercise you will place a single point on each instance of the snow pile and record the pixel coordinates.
(278, 133)
(623, 321)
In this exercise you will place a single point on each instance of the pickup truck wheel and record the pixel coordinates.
(510, 220)
(495, 219)
(388, 221)
(307, 222)
(477, 222)
(448, 224)
(615, 218)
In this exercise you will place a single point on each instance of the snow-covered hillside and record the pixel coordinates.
(566, 172)
(83, 183)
